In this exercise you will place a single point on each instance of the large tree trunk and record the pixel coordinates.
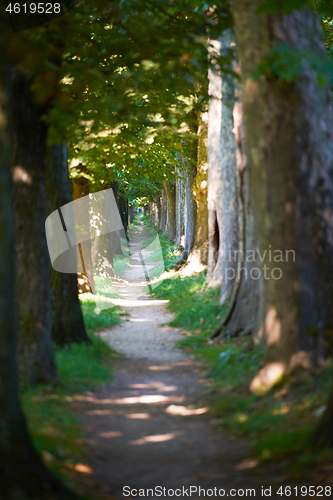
(230, 237)
(170, 190)
(244, 315)
(35, 355)
(21, 470)
(215, 182)
(200, 192)
(222, 180)
(290, 154)
(67, 320)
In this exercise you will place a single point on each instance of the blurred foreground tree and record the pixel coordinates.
(22, 472)
(289, 123)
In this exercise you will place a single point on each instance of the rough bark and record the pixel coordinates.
(244, 317)
(33, 290)
(199, 189)
(67, 320)
(21, 470)
(222, 180)
(290, 155)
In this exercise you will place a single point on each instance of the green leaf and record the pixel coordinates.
(282, 6)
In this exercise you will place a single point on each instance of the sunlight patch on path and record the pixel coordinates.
(157, 438)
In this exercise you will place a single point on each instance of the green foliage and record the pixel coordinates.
(123, 82)
(282, 6)
(287, 64)
(324, 7)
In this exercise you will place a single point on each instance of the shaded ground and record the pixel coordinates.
(149, 427)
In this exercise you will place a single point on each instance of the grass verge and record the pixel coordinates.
(278, 423)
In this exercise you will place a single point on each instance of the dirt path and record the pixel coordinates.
(149, 427)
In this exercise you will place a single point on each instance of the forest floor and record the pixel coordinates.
(150, 427)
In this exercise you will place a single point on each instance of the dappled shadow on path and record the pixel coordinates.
(150, 426)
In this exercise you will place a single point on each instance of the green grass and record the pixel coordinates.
(96, 319)
(53, 425)
(103, 287)
(196, 309)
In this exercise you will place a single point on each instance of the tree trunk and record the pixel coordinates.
(159, 208)
(131, 213)
(151, 212)
(115, 240)
(163, 212)
(244, 316)
(35, 355)
(21, 470)
(290, 152)
(170, 190)
(180, 207)
(155, 213)
(67, 320)
(85, 280)
(123, 209)
(215, 183)
(190, 214)
(200, 192)
(230, 236)
(146, 210)
(222, 179)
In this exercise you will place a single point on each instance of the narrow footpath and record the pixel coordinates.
(150, 427)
